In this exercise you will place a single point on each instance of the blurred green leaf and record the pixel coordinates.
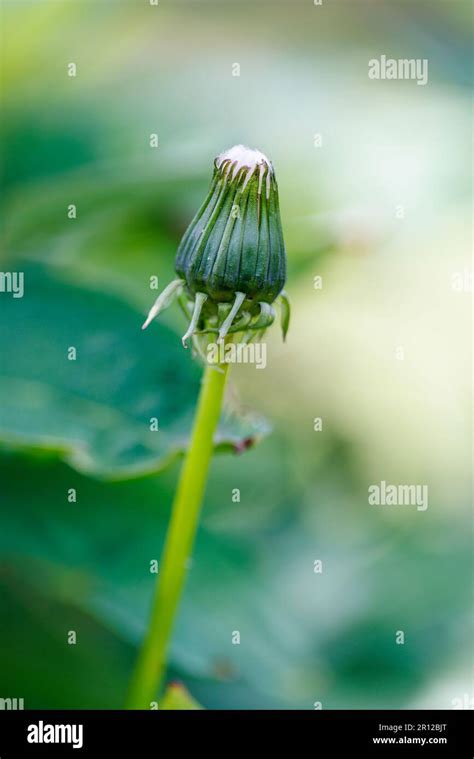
(127, 227)
(96, 411)
(93, 557)
(303, 637)
(36, 661)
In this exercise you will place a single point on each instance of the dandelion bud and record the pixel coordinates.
(231, 262)
(235, 241)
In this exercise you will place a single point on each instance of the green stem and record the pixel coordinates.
(150, 667)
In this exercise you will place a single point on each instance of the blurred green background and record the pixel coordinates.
(379, 207)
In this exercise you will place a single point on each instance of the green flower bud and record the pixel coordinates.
(235, 241)
(231, 262)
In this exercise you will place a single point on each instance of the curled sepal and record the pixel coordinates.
(265, 318)
(285, 313)
(227, 323)
(164, 300)
(242, 323)
(198, 304)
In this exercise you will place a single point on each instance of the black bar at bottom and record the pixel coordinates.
(155, 733)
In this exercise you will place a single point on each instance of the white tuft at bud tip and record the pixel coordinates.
(240, 157)
(243, 156)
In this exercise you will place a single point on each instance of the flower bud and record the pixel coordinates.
(235, 241)
(231, 261)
